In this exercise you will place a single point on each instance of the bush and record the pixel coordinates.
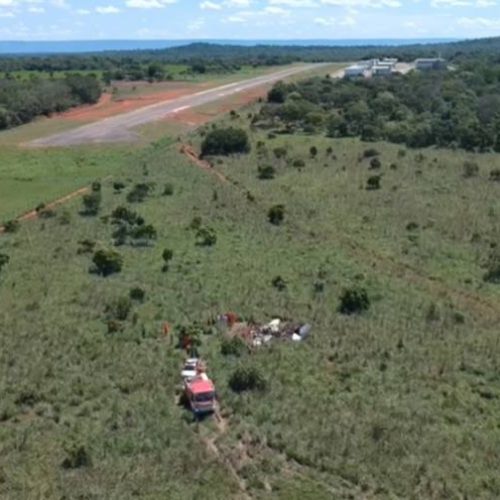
(91, 203)
(276, 214)
(11, 226)
(225, 142)
(471, 169)
(107, 262)
(373, 182)
(313, 151)
(126, 215)
(492, 274)
(266, 172)
(77, 457)
(137, 294)
(86, 246)
(299, 163)
(206, 237)
(4, 260)
(96, 187)
(167, 255)
(247, 379)
(495, 175)
(375, 163)
(234, 346)
(119, 309)
(370, 153)
(118, 186)
(279, 283)
(168, 190)
(139, 193)
(354, 301)
(278, 93)
(280, 152)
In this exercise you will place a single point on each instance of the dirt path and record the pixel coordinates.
(34, 214)
(120, 128)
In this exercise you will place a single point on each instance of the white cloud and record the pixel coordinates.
(108, 9)
(148, 4)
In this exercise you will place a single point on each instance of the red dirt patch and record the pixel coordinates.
(107, 106)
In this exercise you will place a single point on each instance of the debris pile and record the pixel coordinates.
(257, 335)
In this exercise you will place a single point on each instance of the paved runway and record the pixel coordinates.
(119, 128)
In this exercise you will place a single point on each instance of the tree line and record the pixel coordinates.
(22, 101)
(227, 57)
(459, 108)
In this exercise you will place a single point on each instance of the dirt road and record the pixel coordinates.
(119, 128)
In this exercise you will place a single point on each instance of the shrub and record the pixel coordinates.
(11, 226)
(234, 346)
(77, 457)
(495, 175)
(144, 233)
(412, 226)
(471, 169)
(195, 223)
(139, 193)
(137, 294)
(247, 379)
(96, 187)
(354, 301)
(118, 186)
(492, 274)
(276, 214)
(167, 255)
(370, 153)
(279, 283)
(266, 172)
(313, 151)
(299, 163)
(278, 93)
(168, 190)
(280, 152)
(373, 182)
(206, 237)
(86, 246)
(375, 163)
(107, 262)
(126, 215)
(4, 260)
(91, 203)
(65, 218)
(225, 142)
(119, 309)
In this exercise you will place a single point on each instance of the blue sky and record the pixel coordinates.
(247, 19)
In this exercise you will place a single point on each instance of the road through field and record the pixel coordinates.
(119, 128)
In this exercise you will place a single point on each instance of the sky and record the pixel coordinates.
(247, 19)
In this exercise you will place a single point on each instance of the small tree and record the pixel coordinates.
(373, 182)
(354, 301)
(206, 237)
(279, 283)
(375, 163)
(276, 214)
(139, 193)
(4, 260)
(313, 151)
(167, 256)
(91, 203)
(168, 190)
(266, 172)
(234, 346)
(107, 262)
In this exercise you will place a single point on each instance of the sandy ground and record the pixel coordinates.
(119, 128)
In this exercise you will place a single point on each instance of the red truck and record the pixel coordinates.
(199, 393)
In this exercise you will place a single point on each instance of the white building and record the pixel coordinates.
(355, 71)
(382, 70)
(430, 64)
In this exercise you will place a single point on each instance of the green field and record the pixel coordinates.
(401, 401)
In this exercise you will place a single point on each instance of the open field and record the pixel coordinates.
(401, 401)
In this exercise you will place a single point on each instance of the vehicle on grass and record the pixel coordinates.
(199, 394)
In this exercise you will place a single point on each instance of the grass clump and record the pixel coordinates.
(354, 301)
(247, 378)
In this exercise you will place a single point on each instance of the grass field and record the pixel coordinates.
(399, 402)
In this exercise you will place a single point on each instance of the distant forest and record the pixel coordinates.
(205, 55)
